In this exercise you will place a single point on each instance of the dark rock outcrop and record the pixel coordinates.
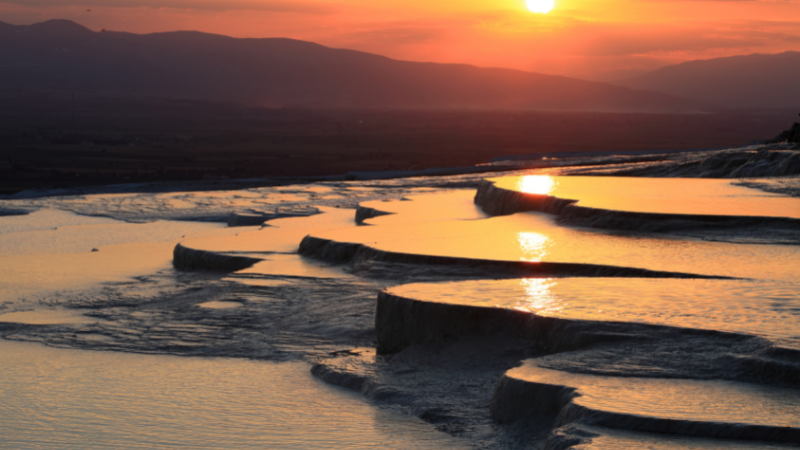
(364, 213)
(791, 135)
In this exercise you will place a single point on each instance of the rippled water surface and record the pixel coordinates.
(59, 232)
(60, 398)
(49, 255)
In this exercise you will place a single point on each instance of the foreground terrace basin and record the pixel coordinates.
(720, 409)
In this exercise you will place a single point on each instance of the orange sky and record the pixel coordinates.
(589, 39)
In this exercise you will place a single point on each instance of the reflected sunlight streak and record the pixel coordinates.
(536, 184)
(538, 298)
(533, 245)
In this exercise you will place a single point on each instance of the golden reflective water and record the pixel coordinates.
(284, 235)
(534, 245)
(61, 398)
(658, 195)
(536, 237)
(34, 280)
(765, 308)
(292, 266)
(441, 206)
(280, 235)
(537, 297)
(59, 232)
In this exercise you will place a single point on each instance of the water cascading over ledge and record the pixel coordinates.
(401, 322)
(340, 253)
(185, 258)
(498, 201)
(739, 411)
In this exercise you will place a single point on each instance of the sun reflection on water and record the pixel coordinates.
(536, 184)
(538, 297)
(533, 245)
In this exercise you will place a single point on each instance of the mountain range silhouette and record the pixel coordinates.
(60, 55)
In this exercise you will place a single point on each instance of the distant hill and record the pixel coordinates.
(751, 81)
(60, 55)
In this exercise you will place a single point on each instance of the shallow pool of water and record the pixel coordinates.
(536, 237)
(48, 257)
(765, 308)
(610, 439)
(699, 196)
(61, 398)
(441, 206)
(690, 400)
(280, 235)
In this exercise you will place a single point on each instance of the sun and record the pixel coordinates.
(540, 6)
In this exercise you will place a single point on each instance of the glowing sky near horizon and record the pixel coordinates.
(590, 39)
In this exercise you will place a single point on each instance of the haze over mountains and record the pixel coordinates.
(60, 55)
(750, 81)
